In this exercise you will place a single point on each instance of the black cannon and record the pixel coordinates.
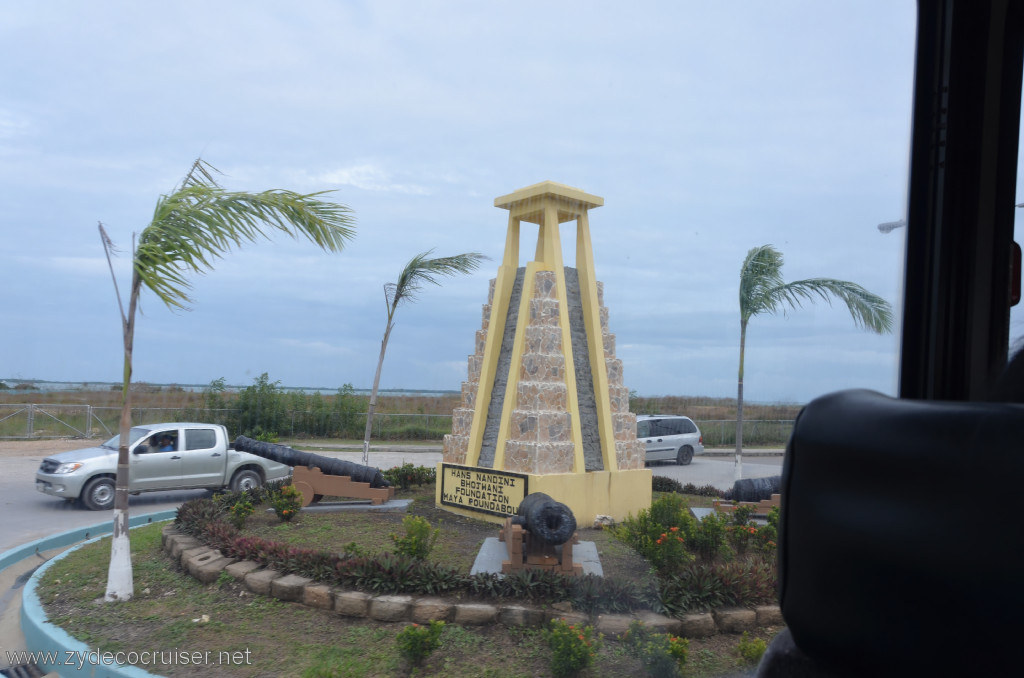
(546, 519)
(540, 536)
(283, 454)
(754, 489)
(316, 476)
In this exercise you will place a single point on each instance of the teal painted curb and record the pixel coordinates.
(71, 657)
(19, 553)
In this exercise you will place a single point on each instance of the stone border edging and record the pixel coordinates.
(207, 565)
(42, 636)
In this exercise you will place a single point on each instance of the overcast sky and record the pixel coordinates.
(708, 128)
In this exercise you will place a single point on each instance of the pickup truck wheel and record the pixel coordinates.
(246, 480)
(98, 494)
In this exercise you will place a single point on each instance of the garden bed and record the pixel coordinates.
(171, 610)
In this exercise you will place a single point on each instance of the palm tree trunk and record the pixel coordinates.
(373, 395)
(738, 471)
(120, 583)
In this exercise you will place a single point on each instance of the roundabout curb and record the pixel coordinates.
(41, 636)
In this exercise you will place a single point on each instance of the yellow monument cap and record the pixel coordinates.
(527, 203)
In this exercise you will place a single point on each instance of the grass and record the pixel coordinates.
(172, 612)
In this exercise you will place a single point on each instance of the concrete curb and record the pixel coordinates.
(43, 637)
(19, 553)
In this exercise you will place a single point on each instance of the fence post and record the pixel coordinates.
(29, 421)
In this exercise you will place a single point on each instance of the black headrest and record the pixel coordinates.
(901, 535)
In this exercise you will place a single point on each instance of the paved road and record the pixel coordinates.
(30, 515)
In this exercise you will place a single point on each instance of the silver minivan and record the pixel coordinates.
(669, 437)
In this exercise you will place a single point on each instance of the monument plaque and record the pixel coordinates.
(484, 490)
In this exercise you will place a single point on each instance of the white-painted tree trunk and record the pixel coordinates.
(120, 584)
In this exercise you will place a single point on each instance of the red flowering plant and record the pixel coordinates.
(286, 502)
(669, 552)
(573, 648)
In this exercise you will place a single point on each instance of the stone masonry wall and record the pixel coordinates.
(629, 452)
(540, 433)
(456, 443)
(540, 439)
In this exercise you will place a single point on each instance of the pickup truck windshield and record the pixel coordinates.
(133, 435)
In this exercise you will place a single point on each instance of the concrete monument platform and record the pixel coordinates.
(493, 552)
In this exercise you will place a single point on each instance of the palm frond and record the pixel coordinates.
(763, 290)
(760, 273)
(421, 269)
(200, 222)
(869, 311)
(201, 173)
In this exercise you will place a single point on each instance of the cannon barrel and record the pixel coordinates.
(754, 489)
(546, 519)
(283, 454)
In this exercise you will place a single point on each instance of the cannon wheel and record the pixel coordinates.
(308, 496)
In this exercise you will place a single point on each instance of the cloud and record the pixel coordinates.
(321, 348)
(368, 177)
(12, 126)
(88, 266)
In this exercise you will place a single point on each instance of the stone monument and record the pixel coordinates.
(544, 408)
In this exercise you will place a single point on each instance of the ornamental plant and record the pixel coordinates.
(407, 475)
(419, 538)
(240, 511)
(415, 642)
(668, 553)
(286, 502)
(662, 655)
(573, 648)
(751, 649)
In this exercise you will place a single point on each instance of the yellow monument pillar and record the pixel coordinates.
(544, 408)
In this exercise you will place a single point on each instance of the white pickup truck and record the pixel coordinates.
(173, 456)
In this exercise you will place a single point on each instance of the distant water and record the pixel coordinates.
(58, 386)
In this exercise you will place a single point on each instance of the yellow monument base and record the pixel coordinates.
(492, 495)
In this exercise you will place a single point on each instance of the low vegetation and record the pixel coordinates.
(171, 610)
(265, 410)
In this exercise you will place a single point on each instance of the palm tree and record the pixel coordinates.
(194, 225)
(762, 290)
(420, 269)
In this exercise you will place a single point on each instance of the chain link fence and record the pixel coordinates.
(24, 421)
(756, 432)
(29, 421)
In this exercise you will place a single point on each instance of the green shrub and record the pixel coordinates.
(703, 490)
(415, 642)
(419, 538)
(663, 484)
(572, 648)
(265, 436)
(751, 649)
(662, 655)
(708, 538)
(407, 475)
(286, 502)
(240, 511)
(704, 586)
(662, 534)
